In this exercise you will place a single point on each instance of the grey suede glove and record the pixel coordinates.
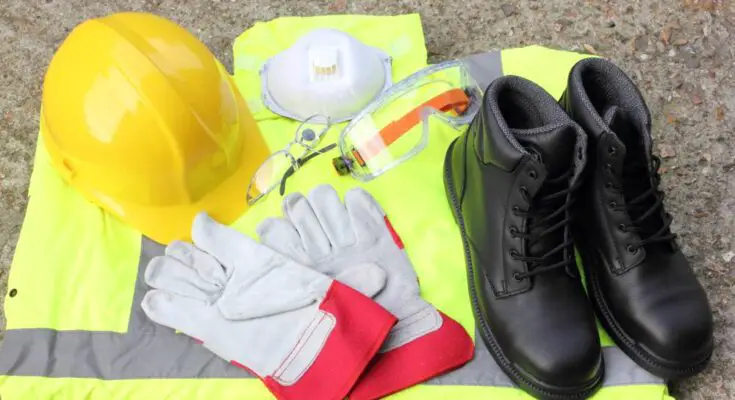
(306, 335)
(331, 237)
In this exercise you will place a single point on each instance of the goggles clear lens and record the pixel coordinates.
(396, 127)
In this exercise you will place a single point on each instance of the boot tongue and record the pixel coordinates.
(610, 115)
(623, 124)
(553, 146)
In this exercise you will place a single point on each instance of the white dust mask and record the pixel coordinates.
(326, 73)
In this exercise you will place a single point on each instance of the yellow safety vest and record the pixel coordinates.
(75, 328)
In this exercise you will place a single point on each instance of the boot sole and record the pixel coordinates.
(654, 364)
(523, 379)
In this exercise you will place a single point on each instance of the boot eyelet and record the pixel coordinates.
(632, 249)
(623, 228)
(612, 204)
(532, 174)
(608, 185)
(516, 210)
(612, 150)
(517, 276)
(523, 189)
(608, 165)
(513, 231)
(513, 253)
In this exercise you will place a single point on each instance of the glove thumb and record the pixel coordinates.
(176, 312)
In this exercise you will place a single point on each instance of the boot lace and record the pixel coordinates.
(541, 210)
(643, 201)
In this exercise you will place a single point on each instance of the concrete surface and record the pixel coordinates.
(680, 52)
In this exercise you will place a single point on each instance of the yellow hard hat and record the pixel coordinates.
(141, 118)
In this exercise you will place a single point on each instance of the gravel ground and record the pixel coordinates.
(679, 51)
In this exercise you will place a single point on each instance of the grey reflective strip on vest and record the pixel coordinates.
(149, 351)
(484, 371)
(484, 67)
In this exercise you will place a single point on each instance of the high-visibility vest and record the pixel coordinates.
(75, 328)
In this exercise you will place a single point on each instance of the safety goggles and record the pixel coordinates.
(396, 126)
(280, 165)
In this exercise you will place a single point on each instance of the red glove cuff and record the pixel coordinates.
(443, 350)
(361, 326)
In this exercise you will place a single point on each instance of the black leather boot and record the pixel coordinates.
(511, 180)
(643, 288)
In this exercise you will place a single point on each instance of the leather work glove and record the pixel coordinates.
(304, 334)
(333, 238)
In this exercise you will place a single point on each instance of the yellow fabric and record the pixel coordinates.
(399, 190)
(75, 265)
(23, 388)
(548, 68)
(431, 238)
(413, 196)
(140, 117)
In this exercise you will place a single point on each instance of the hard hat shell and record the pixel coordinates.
(140, 117)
